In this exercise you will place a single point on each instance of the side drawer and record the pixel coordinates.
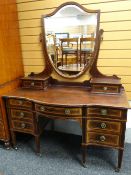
(35, 84)
(102, 111)
(20, 103)
(21, 115)
(100, 125)
(105, 89)
(55, 110)
(22, 126)
(102, 139)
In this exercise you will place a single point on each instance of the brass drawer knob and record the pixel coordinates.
(20, 102)
(105, 88)
(23, 125)
(42, 108)
(103, 125)
(67, 111)
(21, 114)
(102, 138)
(103, 112)
(32, 83)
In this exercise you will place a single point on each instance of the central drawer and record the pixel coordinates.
(102, 111)
(102, 139)
(58, 111)
(100, 125)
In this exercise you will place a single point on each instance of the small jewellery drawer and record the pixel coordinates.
(58, 110)
(32, 84)
(95, 111)
(35, 84)
(21, 114)
(105, 89)
(23, 126)
(102, 139)
(20, 103)
(107, 126)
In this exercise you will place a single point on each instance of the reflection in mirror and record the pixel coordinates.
(70, 39)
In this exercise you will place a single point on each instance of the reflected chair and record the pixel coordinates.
(69, 46)
(86, 49)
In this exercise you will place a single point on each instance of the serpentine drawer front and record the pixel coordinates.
(20, 103)
(103, 125)
(22, 126)
(58, 111)
(102, 139)
(21, 115)
(105, 112)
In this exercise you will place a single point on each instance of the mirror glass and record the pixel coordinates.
(70, 36)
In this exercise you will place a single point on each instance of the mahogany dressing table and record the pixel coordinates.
(99, 103)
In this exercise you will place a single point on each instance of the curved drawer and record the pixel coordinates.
(22, 126)
(95, 111)
(20, 103)
(101, 125)
(102, 139)
(58, 111)
(21, 114)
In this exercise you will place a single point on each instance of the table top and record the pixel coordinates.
(70, 96)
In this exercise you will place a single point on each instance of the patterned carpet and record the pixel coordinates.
(60, 156)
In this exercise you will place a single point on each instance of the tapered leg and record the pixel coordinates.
(120, 156)
(84, 153)
(37, 143)
(13, 137)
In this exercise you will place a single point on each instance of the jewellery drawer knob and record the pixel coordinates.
(103, 125)
(32, 83)
(42, 108)
(102, 138)
(23, 125)
(103, 112)
(20, 102)
(67, 111)
(21, 114)
(104, 88)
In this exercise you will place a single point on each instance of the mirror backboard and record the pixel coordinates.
(70, 35)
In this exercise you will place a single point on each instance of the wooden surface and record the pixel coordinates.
(11, 67)
(10, 51)
(70, 96)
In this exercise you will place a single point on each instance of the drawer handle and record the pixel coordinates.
(67, 111)
(20, 102)
(32, 83)
(103, 125)
(42, 108)
(103, 112)
(23, 125)
(21, 114)
(102, 138)
(105, 88)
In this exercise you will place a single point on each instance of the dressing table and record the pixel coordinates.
(98, 103)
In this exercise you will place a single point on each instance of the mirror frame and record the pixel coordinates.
(92, 67)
